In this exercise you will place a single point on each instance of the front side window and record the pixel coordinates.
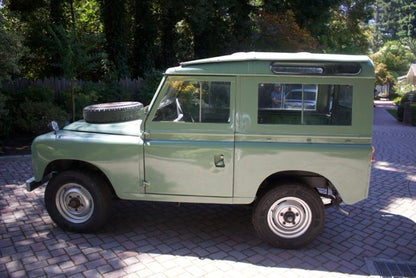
(195, 101)
(304, 104)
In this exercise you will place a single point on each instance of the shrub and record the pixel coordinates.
(399, 90)
(50, 105)
(408, 97)
(3, 110)
(91, 93)
(34, 117)
(83, 96)
(151, 82)
(30, 93)
(24, 112)
(112, 91)
(39, 94)
(3, 113)
(412, 108)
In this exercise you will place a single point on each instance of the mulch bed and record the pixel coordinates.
(16, 145)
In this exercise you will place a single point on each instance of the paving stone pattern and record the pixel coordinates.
(149, 239)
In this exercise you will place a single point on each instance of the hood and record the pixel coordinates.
(131, 128)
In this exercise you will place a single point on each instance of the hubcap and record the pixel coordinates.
(289, 217)
(74, 203)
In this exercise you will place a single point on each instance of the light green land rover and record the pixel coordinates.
(288, 133)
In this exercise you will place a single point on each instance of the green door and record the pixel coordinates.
(189, 139)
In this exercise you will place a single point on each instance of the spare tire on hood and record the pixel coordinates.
(112, 112)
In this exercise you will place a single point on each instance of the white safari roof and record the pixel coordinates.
(279, 56)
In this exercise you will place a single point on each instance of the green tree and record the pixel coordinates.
(88, 17)
(57, 12)
(144, 35)
(77, 52)
(396, 56)
(411, 45)
(348, 30)
(114, 19)
(10, 52)
(169, 16)
(383, 76)
(280, 32)
(217, 27)
(311, 15)
(240, 24)
(207, 25)
(11, 48)
(37, 18)
(185, 44)
(32, 18)
(78, 58)
(394, 20)
(391, 61)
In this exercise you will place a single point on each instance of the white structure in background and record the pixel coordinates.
(409, 78)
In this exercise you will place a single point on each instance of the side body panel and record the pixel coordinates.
(344, 165)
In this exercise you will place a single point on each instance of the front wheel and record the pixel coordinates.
(289, 216)
(78, 201)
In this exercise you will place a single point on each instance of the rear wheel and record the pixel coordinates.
(78, 201)
(289, 216)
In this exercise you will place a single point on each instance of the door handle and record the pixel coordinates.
(219, 160)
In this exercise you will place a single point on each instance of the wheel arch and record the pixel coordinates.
(305, 178)
(61, 165)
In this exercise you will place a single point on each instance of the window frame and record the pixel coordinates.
(187, 125)
(308, 117)
(316, 68)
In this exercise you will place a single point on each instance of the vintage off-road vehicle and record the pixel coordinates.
(220, 130)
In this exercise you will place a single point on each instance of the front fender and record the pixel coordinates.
(118, 157)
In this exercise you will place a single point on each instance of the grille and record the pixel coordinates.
(386, 268)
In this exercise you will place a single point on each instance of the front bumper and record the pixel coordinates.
(32, 184)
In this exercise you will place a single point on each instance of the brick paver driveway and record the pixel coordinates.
(169, 240)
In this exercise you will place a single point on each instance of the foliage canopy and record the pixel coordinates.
(137, 36)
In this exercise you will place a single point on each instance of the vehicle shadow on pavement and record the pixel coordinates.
(145, 232)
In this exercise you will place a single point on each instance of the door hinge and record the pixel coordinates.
(145, 135)
(145, 183)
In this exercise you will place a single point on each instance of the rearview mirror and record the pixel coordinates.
(54, 126)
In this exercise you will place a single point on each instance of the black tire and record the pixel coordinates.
(112, 112)
(289, 216)
(78, 201)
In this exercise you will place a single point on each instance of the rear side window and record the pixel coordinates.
(304, 104)
(324, 68)
(195, 102)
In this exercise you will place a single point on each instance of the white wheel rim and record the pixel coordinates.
(74, 203)
(289, 217)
